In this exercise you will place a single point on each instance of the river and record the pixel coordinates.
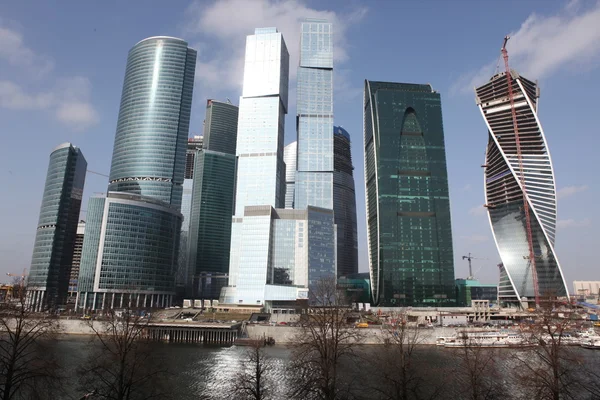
(206, 372)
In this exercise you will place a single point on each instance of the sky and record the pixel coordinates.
(62, 66)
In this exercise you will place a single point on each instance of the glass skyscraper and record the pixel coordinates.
(263, 105)
(194, 144)
(505, 194)
(314, 176)
(212, 203)
(154, 117)
(408, 209)
(130, 250)
(48, 280)
(289, 157)
(344, 204)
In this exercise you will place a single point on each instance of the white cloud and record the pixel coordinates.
(544, 44)
(69, 101)
(14, 51)
(572, 223)
(570, 191)
(475, 238)
(222, 27)
(478, 211)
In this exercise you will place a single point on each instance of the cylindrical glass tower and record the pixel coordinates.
(152, 129)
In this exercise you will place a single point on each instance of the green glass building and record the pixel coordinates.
(408, 208)
(48, 281)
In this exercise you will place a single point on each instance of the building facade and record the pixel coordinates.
(220, 126)
(51, 263)
(506, 190)
(408, 209)
(289, 157)
(130, 250)
(261, 171)
(154, 116)
(194, 143)
(314, 119)
(76, 262)
(344, 204)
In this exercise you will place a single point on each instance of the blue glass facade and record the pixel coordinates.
(152, 129)
(289, 157)
(408, 207)
(220, 127)
(51, 263)
(314, 179)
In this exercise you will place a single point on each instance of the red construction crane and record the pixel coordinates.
(531, 257)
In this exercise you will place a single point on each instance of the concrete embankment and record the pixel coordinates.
(77, 327)
(286, 334)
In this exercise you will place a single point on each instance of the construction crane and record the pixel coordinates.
(97, 173)
(22, 280)
(470, 257)
(531, 258)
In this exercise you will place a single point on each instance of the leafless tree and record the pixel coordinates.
(476, 365)
(549, 367)
(252, 381)
(122, 365)
(325, 340)
(400, 373)
(28, 370)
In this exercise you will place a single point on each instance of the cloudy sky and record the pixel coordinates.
(62, 66)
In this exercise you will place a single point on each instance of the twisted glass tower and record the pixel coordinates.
(505, 195)
(408, 208)
(152, 129)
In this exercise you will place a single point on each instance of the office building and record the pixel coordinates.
(314, 119)
(506, 190)
(344, 204)
(130, 249)
(194, 144)
(263, 105)
(408, 209)
(289, 157)
(586, 289)
(48, 280)
(76, 262)
(212, 203)
(152, 129)
(468, 290)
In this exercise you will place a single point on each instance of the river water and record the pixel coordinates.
(206, 372)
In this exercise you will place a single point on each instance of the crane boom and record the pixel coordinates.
(531, 261)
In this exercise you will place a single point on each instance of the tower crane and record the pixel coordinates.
(22, 280)
(469, 258)
(531, 265)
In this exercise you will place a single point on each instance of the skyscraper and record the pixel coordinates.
(154, 117)
(48, 281)
(130, 250)
(505, 196)
(408, 208)
(194, 143)
(212, 203)
(344, 204)
(314, 119)
(263, 105)
(76, 262)
(289, 157)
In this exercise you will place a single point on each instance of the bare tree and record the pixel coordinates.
(400, 373)
(252, 381)
(122, 365)
(477, 366)
(549, 367)
(324, 340)
(27, 369)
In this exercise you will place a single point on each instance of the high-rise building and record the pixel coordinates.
(48, 281)
(408, 209)
(344, 204)
(314, 119)
(289, 157)
(194, 143)
(76, 262)
(263, 105)
(130, 249)
(212, 203)
(154, 117)
(505, 195)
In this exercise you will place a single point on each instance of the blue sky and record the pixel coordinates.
(62, 66)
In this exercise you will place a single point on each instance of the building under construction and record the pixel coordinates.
(520, 191)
